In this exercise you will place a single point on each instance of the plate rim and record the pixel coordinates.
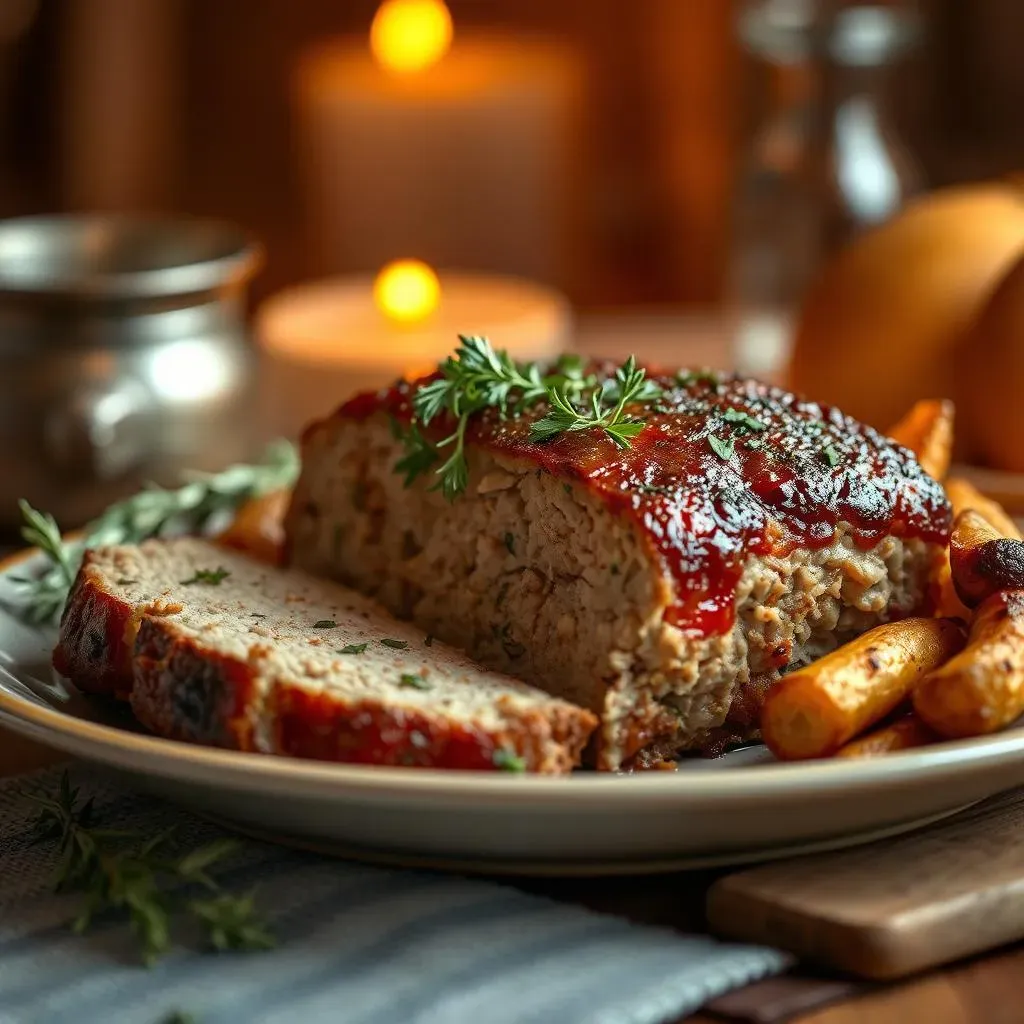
(254, 771)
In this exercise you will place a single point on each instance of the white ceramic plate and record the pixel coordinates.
(738, 808)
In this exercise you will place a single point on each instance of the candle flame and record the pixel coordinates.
(410, 35)
(407, 291)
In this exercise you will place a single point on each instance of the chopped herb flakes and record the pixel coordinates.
(211, 576)
(508, 761)
(510, 543)
(502, 594)
(413, 682)
(428, 640)
(257, 615)
(615, 568)
(687, 377)
(723, 449)
(125, 582)
(743, 419)
(830, 455)
(753, 443)
(398, 645)
(325, 624)
(567, 488)
(353, 649)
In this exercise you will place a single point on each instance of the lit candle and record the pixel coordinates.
(460, 149)
(323, 341)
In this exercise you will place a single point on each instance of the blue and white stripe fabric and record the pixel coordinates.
(357, 945)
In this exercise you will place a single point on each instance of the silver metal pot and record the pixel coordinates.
(124, 357)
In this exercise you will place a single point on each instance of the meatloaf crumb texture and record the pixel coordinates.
(278, 662)
(537, 575)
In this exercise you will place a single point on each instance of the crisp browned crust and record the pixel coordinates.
(187, 691)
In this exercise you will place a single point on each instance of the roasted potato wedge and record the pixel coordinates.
(964, 496)
(927, 430)
(817, 709)
(981, 690)
(258, 528)
(982, 561)
(903, 734)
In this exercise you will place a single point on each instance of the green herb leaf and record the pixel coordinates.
(753, 443)
(413, 682)
(508, 760)
(125, 582)
(743, 419)
(213, 577)
(420, 455)
(353, 649)
(398, 645)
(684, 378)
(510, 543)
(196, 506)
(723, 449)
(831, 455)
(325, 624)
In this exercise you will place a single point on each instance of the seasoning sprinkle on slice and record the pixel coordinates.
(723, 449)
(353, 649)
(413, 682)
(508, 761)
(325, 624)
(398, 645)
(211, 576)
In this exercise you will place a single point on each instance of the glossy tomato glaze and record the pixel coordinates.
(785, 486)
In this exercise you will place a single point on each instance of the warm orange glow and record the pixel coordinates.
(410, 35)
(407, 291)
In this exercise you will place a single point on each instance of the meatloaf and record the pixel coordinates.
(214, 648)
(664, 582)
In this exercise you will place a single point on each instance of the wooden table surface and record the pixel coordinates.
(987, 990)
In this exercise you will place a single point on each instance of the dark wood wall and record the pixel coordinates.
(664, 119)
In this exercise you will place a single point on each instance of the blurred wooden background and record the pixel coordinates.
(189, 110)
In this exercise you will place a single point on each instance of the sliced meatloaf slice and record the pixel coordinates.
(743, 533)
(214, 648)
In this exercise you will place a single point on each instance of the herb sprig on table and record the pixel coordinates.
(202, 501)
(477, 377)
(116, 869)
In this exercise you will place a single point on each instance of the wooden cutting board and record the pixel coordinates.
(893, 907)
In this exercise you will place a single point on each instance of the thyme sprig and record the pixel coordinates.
(199, 504)
(477, 377)
(116, 869)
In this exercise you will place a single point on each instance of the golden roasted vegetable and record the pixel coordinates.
(964, 496)
(981, 690)
(927, 430)
(903, 734)
(982, 561)
(258, 527)
(815, 710)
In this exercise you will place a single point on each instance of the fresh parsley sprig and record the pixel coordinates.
(203, 500)
(477, 377)
(115, 869)
(630, 386)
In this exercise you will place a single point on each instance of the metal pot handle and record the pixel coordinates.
(100, 433)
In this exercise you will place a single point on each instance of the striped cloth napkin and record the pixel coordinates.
(358, 945)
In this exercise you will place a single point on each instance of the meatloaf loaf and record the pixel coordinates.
(663, 582)
(215, 648)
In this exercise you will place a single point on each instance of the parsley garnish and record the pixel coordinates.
(398, 645)
(508, 760)
(830, 455)
(213, 577)
(353, 649)
(684, 378)
(753, 443)
(743, 419)
(325, 624)
(118, 870)
(477, 377)
(723, 449)
(413, 682)
(630, 386)
(510, 543)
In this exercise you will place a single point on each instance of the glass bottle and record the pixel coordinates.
(823, 163)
